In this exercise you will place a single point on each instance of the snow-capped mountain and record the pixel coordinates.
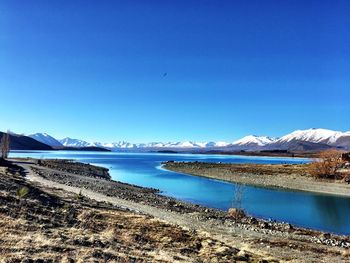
(313, 135)
(69, 142)
(46, 139)
(254, 140)
(121, 145)
(306, 140)
(215, 144)
(126, 145)
(310, 139)
(344, 140)
(186, 144)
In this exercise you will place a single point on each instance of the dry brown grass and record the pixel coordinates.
(118, 237)
(257, 169)
(44, 228)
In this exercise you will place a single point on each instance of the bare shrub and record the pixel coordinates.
(236, 212)
(327, 165)
(5, 146)
(238, 196)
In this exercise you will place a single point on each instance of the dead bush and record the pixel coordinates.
(327, 165)
(235, 214)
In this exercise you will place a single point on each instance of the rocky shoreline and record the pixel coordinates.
(260, 232)
(152, 197)
(46, 225)
(73, 167)
(284, 176)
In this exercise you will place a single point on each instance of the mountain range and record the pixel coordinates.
(299, 140)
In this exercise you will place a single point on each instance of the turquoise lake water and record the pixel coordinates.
(317, 211)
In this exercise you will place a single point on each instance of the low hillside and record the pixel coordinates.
(21, 142)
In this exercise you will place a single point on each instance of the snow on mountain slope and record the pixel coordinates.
(69, 142)
(187, 144)
(121, 144)
(253, 139)
(299, 139)
(313, 135)
(46, 139)
(152, 145)
(343, 141)
(212, 144)
(220, 144)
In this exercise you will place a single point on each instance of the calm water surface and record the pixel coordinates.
(324, 212)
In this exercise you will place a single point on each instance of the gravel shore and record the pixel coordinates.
(41, 222)
(274, 240)
(285, 176)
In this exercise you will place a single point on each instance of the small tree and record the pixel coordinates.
(5, 146)
(238, 196)
(236, 212)
(327, 165)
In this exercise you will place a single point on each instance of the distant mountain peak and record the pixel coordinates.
(315, 135)
(74, 142)
(254, 139)
(46, 139)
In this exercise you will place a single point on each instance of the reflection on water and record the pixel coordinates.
(324, 212)
(331, 210)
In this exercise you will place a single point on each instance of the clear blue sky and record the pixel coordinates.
(173, 70)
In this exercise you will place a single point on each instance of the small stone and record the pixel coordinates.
(326, 236)
(288, 227)
(264, 225)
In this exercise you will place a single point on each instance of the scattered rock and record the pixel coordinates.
(325, 235)
(235, 213)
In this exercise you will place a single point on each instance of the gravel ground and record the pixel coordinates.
(44, 224)
(286, 176)
(271, 239)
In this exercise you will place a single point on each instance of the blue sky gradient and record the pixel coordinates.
(173, 70)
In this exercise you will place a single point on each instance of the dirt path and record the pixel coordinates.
(282, 246)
